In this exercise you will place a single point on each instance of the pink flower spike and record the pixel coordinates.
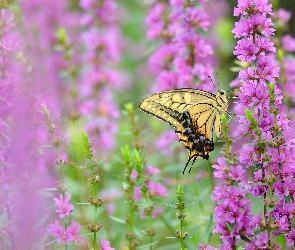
(105, 245)
(63, 206)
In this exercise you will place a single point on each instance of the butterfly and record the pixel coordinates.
(194, 113)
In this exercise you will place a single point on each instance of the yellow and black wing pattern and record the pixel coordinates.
(195, 114)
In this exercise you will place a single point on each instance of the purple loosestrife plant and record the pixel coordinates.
(133, 163)
(94, 200)
(270, 151)
(103, 47)
(147, 193)
(182, 57)
(67, 230)
(234, 220)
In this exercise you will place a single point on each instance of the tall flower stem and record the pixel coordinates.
(94, 180)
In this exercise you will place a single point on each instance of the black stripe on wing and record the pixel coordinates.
(173, 114)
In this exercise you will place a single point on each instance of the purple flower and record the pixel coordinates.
(252, 6)
(60, 233)
(221, 169)
(63, 206)
(165, 141)
(257, 24)
(152, 170)
(74, 230)
(155, 20)
(87, 4)
(288, 43)
(156, 189)
(291, 237)
(206, 247)
(267, 69)
(246, 50)
(233, 209)
(236, 173)
(157, 211)
(283, 15)
(105, 245)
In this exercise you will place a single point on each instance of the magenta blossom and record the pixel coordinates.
(105, 245)
(156, 189)
(63, 206)
(60, 233)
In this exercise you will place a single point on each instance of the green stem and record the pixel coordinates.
(94, 211)
(181, 234)
(151, 227)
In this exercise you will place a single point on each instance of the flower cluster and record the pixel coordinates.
(66, 233)
(270, 152)
(233, 210)
(183, 57)
(103, 45)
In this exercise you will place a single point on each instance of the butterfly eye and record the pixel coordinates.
(221, 92)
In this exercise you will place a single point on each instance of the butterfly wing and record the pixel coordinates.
(194, 113)
(169, 105)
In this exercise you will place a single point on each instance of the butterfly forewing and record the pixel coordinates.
(169, 105)
(195, 114)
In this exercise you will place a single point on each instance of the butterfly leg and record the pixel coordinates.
(188, 161)
(192, 164)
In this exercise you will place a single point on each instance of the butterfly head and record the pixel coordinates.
(222, 95)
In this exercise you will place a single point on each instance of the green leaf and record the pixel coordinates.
(250, 116)
(126, 153)
(244, 238)
(87, 146)
(62, 36)
(259, 231)
(83, 203)
(125, 185)
(118, 219)
(208, 231)
(129, 107)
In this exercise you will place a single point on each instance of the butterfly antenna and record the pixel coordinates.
(212, 82)
(189, 159)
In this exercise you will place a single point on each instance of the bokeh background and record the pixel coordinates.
(97, 90)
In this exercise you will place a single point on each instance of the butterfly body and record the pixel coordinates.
(195, 114)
